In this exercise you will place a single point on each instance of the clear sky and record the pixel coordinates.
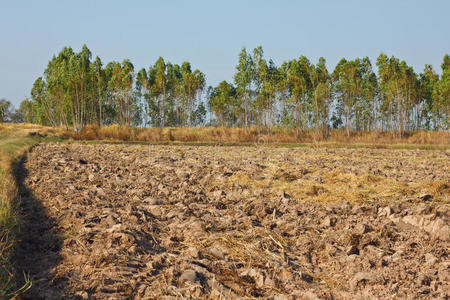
(211, 33)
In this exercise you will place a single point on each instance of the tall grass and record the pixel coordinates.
(251, 135)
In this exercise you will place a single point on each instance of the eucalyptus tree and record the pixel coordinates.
(173, 109)
(128, 104)
(146, 83)
(164, 87)
(243, 81)
(120, 84)
(199, 117)
(269, 94)
(368, 107)
(26, 109)
(43, 109)
(99, 88)
(347, 78)
(300, 89)
(322, 96)
(185, 90)
(356, 88)
(259, 68)
(143, 91)
(78, 82)
(5, 107)
(197, 92)
(390, 78)
(398, 86)
(386, 91)
(426, 92)
(223, 103)
(89, 106)
(409, 93)
(58, 99)
(441, 97)
(113, 72)
(192, 85)
(159, 88)
(260, 79)
(284, 106)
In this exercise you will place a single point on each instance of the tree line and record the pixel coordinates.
(77, 90)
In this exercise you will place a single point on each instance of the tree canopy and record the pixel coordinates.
(76, 90)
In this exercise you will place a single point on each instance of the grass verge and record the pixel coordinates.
(14, 140)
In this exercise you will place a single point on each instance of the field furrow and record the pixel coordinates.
(140, 222)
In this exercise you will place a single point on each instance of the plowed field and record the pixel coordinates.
(151, 222)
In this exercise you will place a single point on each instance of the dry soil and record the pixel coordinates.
(165, 222)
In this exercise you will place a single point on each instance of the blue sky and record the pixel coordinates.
(211, 33)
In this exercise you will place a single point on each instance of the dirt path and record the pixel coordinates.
(136, 222)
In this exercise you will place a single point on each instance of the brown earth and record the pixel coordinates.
(141, 222)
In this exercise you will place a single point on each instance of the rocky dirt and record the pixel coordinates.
(166, 222)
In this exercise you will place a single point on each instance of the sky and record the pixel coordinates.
(210, 33)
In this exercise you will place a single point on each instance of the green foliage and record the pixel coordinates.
(5, 107)
(76, 91)
(243, 80)
(401, 95)
(223, 103)
(440, 106)
(322, 96)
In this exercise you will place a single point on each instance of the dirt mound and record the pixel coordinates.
(136, 222)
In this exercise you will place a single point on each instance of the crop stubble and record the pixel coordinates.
(140, 222)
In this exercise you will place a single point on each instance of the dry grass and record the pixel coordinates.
(9, 229)
(14, 139)
(259, 135)
(252, 135)
(379, 179)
